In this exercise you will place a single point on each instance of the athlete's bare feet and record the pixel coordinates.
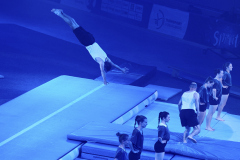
(209, 129)
(192, 139)
(185, 141)
(57, 11)
(220, 119)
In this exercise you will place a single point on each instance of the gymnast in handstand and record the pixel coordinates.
(88, 41)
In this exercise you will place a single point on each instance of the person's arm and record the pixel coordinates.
(196, 96)
(214, 92)
(180, 105)
(160, 134)
(224, 79)
(124, 70)
(101, 64)
(118, 155)
(131, 147)
(202, 96)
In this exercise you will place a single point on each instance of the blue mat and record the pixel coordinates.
(37, 122)
(164, 93)
(98, 151)
(206, 148)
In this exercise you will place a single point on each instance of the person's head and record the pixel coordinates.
(209, 81)
(141, 121)
(219, 73)
(123, 138)
(193, 86)
(107, 66)
(227, 66)
(163, 116)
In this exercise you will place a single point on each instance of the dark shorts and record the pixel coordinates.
(225, 91)
(84, 37)
(203, 108)
(134, 156)
(214, 101)
(188, 118)
(159, 147)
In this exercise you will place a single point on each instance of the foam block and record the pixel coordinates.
(206, 148)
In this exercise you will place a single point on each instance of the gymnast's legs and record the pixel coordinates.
(69, 20)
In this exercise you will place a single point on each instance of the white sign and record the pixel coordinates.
(123, 8)
(168, 21)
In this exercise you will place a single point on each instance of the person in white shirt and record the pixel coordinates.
(189, 109)
(87, 39)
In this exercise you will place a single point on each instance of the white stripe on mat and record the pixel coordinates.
(49, 116)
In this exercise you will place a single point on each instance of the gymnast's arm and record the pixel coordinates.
(196, 97)
(214, 92)
(180, 105)
(101, 64)
(124, 70)
(131, 147)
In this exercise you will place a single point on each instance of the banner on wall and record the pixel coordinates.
(123, 8)
(224, 35)
(85, 5)
(213, 33)
(168, 21)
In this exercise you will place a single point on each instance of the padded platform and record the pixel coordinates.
(98, 151)
(164, 93)
(37, 122)
(227, 130)
(204, 149)
(138, 74)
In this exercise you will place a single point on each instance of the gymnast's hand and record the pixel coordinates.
(135, 151)
(105, 83)
(225, 87)
(124, 70)
(161, 140)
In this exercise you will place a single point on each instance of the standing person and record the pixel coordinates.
(136, 142)
(189, 109)
(226, 85)
(163, 135)
(204, 98)
(121, 153)
(88, 41)
(214, 98)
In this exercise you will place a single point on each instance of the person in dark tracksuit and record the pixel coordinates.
(163, 135)
(121, 153)
(204, 98)
(214, 98)
(137, 138)
(226, 85)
